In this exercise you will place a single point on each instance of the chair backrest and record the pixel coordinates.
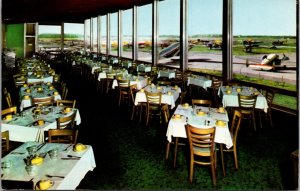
(201, 140)
(10, 110)
(270, 94)
(5, 141)
(110, 75)
(64, 93)
(8, 99)
(247, 101)
(123, 83)
(62, 136)
(201, 102)
(43, 101)
(66, 121)
(66, 103)
(153, 98)
(235, 125)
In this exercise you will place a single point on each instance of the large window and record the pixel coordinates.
(103, 34)
(169, 30)
(114, 34)
(127, 33)
(74, 36)
(94, 34)
(264, 28)
(49, 37)
(205, 35)
(87, 40)
(145, 33)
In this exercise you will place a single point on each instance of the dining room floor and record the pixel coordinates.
(131, 156)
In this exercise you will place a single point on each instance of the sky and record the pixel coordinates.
(250, 17)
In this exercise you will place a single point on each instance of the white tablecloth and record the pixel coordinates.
(45, 79)
(231, 100)
(199, 81)
(22, 129)
(143, 68)
(103, 75)
(141, 82)
(166, 99)
(166, 73)
(73, 171)
(176, 128)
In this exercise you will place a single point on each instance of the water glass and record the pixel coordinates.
(30, 169)
(31, 150)
(53, 153)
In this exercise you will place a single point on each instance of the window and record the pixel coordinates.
(169, 30)
(205, 36)
(127, 33)
(94, 34)
(103, 34)
(74, 36)
(145, 33)
(87, 25)
(114, 34)
(49, 37)
(262, 28)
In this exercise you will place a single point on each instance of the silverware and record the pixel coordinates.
(70, 158)
(67, 147)
(40, 146)
(54, 176)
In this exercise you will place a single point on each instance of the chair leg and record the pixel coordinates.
(253, 119)
(168, 150)
(213, 173)
(191, 170)
(222, 160)
(132, 114)
(175, 151)
(235, 158)
(270, 117)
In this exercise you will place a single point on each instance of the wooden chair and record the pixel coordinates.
(66, 122)
(109, 81)
(140, 107)
(11, 110)
(62, 136)
(5, 141)
(124, 91)
(8, 99)
(201, 142)
(269, 94)
(153, 104)
(43, 101)
(216, 84)
(201, 102)
(64, 93)
(66, 103)
(234, 130)
(247, 107)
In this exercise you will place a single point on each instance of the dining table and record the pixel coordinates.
(169, 73)
(103, 74)
(199, 81)
(169, 94)
(65, 171)
(208, 118)
(139, 81)
(44, 90)
(144, 68)
(229, 96)
(24, 126)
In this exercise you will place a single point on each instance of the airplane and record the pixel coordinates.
(270, 62)
(249, 44)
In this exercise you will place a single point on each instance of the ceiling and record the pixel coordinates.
(57, 11)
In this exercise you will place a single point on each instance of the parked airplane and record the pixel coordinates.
(271, 62)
